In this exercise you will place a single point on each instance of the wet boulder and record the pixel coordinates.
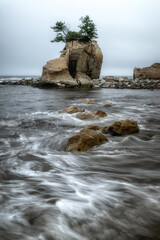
(123, 127)
(109, 104)
(90, 101)
(85, 140)
(104, 130)
(93, 127)
(71, 110)
(91, 115)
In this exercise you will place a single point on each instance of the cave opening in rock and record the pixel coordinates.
(72, 67)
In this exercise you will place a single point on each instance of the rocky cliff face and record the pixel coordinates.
(152, 72)
(79, 62)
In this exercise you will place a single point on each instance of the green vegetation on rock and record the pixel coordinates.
(86, 33)
(88, 28)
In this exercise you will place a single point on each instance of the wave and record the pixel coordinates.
(16, 78)
(9, 123)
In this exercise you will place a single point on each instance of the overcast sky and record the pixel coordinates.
(129, 33)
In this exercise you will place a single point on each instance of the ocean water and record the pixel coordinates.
(111, 192)
(16, 78)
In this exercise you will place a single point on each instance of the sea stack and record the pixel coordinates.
(78, 63)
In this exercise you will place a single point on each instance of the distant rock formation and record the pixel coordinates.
(152, 72)
(78, 63)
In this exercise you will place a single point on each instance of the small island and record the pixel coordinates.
(80, 62)
(79, 151)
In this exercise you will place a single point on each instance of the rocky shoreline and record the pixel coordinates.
(106, 82)
(124, 82)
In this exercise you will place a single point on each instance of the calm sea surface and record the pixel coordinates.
(111, 192)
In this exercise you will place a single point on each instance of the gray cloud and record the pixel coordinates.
(128, 32)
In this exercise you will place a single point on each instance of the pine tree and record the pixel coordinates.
(87, 31)
(88, 28)
(62, 30)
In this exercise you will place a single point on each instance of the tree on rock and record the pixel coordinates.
(62, 30)
(71, 36)
(87, 31)
(88, 28)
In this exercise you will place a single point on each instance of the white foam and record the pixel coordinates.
(9, 123)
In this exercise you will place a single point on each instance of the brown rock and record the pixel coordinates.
(93, 127)
(83, 80)
(76, 58)
(104, 130)
(90, 101)
(107, 105)
(152, 72)
(85, 140)
(122, 79)
(71, 110)
(91, 115)
(99, 113)
(123, 127)
(56, 69)
(84, 57)
(110, 79)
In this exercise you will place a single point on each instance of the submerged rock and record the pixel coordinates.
(90, 101)
(91, 115)
(108, 105)
(71, 110)
(104, 130)
(93, 127)
(85, 140)
(123, 127)
(152, 72)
